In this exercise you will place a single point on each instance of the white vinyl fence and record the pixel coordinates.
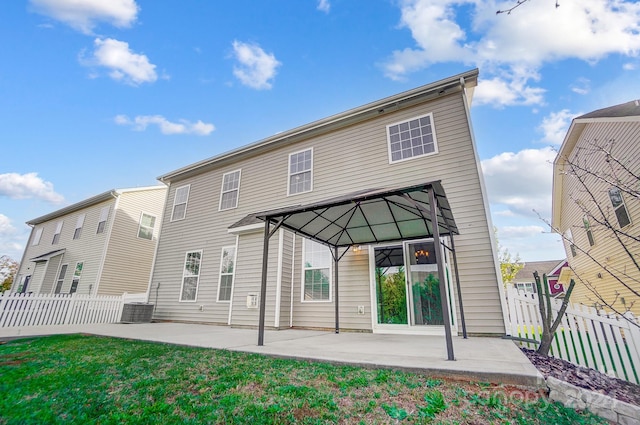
(610, 344)
(61, 309)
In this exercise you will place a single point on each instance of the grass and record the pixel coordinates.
(76, 379)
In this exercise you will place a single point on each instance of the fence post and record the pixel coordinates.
(70, 307)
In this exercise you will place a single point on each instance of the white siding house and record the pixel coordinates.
(209, 258)
(103, 245)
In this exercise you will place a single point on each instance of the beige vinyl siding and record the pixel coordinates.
(606, 248)
(51, 275)
(287, 270)
(344, 161)
(87, 249)
(128, 259)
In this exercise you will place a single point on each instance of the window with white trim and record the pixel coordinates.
(146, 225)
(56, 235)
(60, 280)
(37, 236)
(190, 276)
(180, 199)
(619, 207)
(79, 223)
(316, 281)
(230, 190)
(300, 172)
(102, 222)
(569, 237)
(227, 272)
(76, 277)
(587, 228)
(413, 138)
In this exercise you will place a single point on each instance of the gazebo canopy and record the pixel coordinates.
(365, 217)
(369, 216)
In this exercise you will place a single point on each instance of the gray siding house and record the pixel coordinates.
(103, 245)
(208, 266)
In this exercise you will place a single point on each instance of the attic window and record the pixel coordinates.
(413, 138)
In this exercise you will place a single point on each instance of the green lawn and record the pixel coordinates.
(86, 379)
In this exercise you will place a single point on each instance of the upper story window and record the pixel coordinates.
(102, 222)
(227, 268)
(413, 138)
(180, 199)
(56, 235)
(569, 237)
(619, 207)
(190, 276)
(230, 190)
(587, 228)
(301, 172)
(316, 284)
(37, 236)
(79, 223)
(145, 228)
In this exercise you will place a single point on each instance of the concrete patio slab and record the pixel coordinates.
(477, 358)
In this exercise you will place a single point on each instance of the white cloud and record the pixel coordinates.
(27, 186)
(520, 231)
(507, 92)
(581, 86)
(10, 239)
(255, 67)
(503, 45)
(521, 181)
(554, 126)
(141, 122)
(124, 65)
(83, 15)
(324, 6)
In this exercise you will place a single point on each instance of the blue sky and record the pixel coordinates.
(96, 95)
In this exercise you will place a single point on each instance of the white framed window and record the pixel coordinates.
(79, 223)
(411, 139)
(60, 280)
(230, 190)
(102, 222)
(316, 279)
(569, 237)
(76, 277)
(37, 237)
(587, 228)
(180, 199)
(191, 276)
(300, 172)
(227, 273)
(56, 235)
(619, 207)
(146, 226)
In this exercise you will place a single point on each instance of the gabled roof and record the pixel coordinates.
(629, 111)
(109, 194)
(48, 255)
(467, 80)
(542, 267)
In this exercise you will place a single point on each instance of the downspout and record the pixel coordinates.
(107, 239)
(276, 321)
(293, 271)
(485, 200)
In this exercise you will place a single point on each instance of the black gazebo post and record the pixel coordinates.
(443, 290)
(263, 285)
(336, 260)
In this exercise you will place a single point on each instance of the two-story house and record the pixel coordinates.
(209, 263)
(596, 206)
(103, 245)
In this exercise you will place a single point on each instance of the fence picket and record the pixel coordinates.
(17, 310)
(584, 337)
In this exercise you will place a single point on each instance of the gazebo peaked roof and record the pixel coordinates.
(369, 216)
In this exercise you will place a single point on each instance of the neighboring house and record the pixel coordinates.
(524, 281)
(596, 205)
(103, 245)
(208, 267)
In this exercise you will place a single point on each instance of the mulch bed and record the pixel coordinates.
(584, 377)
